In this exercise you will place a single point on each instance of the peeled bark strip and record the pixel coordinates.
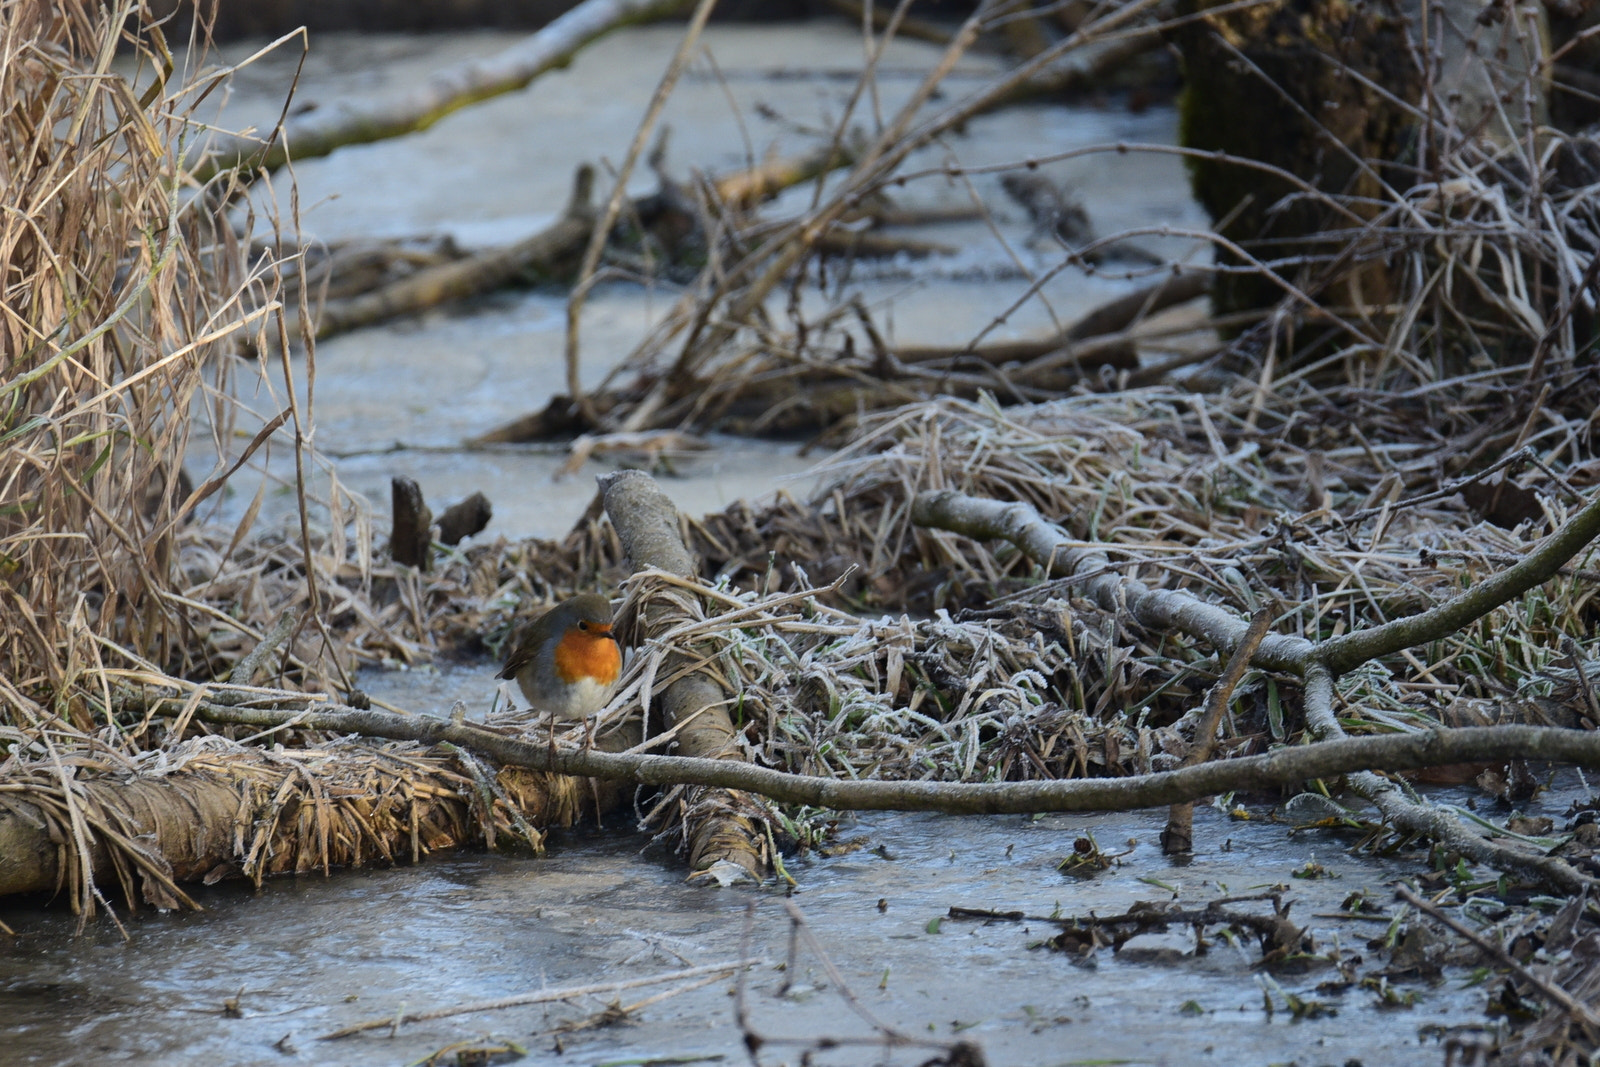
(319, 132)
(647, 522)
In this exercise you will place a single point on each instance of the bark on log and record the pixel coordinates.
(1316, 87)
(319, 132)
(647, 523)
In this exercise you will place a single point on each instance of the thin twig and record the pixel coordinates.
(542, 996)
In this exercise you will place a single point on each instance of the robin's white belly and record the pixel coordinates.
(583, 697)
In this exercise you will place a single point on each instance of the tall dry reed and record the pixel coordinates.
(124, 296)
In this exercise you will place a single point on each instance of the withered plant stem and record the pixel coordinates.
(1178, 837)
(602, 227)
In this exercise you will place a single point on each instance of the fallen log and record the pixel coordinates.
(717, 828)
(320, 131)
(238, 812)
(346, 269)
(553, 251)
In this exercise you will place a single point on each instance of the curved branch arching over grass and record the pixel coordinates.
(1318, 663)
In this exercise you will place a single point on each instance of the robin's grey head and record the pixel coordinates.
(588, 612)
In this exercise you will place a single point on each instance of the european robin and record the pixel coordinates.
(568, 659)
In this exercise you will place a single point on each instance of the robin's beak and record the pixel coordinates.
(605, 631)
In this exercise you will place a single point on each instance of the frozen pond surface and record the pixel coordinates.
(311, 956)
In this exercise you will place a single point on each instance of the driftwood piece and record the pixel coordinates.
(465, 518)
(411, 533)
(320, 131)
(818, 397)
(545, 251)
(349, 268)
(440, 275)
(746, 188)
(244, 672)
(1112, 317)
(811, 398)
(716, 830)
(713, 315)
(559, 417)
(1029, 370)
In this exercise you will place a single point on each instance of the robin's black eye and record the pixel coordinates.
(583, 625)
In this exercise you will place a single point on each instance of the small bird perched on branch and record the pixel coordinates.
(568, 659)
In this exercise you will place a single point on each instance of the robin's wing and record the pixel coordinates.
(522, 652)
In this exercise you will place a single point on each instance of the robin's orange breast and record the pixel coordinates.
(583, 655)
